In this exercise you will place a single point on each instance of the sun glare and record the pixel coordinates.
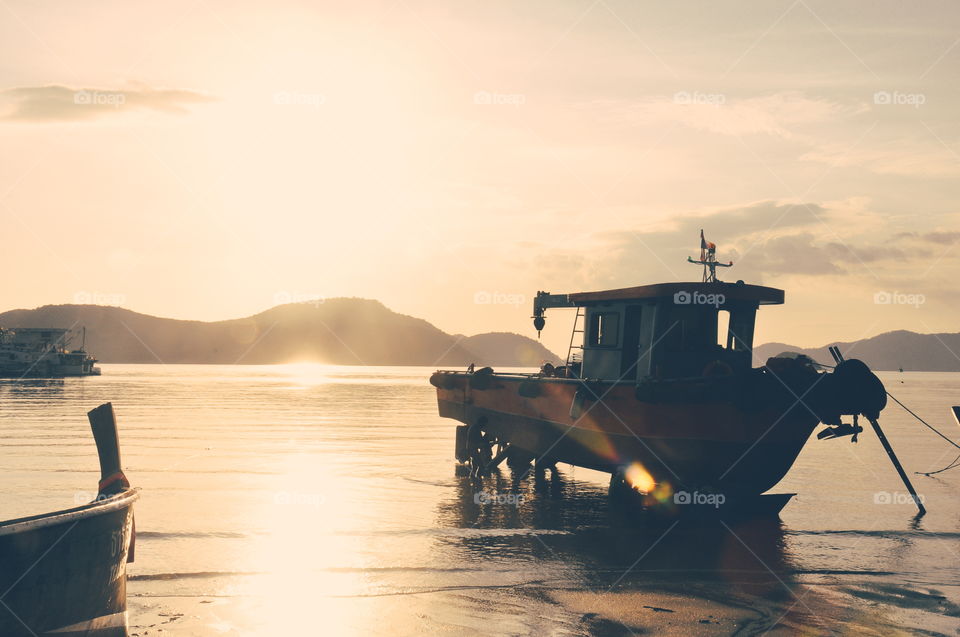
(639, 478)
(306, 374)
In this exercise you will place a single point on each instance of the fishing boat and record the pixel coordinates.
(64, 573)
(43, 352)
(659, 390)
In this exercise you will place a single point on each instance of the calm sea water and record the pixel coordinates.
(309, 499)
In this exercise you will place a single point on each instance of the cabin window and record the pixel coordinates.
(741, 330)
(724, 335)
(690, 329)
(604, 329)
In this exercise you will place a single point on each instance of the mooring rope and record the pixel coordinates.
(928, 425)
(952, 465)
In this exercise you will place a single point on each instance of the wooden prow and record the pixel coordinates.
(103, 423)
(104, 426)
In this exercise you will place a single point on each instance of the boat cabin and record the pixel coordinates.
(668, 330)
(35, 338)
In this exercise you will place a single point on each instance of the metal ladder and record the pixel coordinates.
(573, 335)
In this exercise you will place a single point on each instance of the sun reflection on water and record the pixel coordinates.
(306, 374)
(309, 559)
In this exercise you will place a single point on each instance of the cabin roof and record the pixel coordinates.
(731, 291)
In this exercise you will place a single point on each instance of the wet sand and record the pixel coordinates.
(825, 608)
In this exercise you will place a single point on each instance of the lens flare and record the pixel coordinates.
(639, 478)
(663, 493)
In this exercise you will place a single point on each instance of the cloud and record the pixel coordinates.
(906, 157)
(659, 253)
(767, 239)
(943, 238)
(938, 237)
(776, 115)
(796, 254)
(763, 237)
(724, 225)
(808, 254)
(55, 102)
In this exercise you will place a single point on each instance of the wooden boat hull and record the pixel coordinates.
(709, 443)
(64, 573)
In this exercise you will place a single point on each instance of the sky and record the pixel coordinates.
(208, 160)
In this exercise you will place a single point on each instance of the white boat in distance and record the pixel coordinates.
(42, 352)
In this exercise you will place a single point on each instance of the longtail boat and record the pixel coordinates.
(63, 574)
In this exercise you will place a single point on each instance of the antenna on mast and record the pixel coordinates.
(708, 259)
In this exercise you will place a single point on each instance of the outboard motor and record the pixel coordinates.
(851, 389)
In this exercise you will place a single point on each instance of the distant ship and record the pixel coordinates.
(42, 352)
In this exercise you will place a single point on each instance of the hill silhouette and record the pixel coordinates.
(353, 331)
(888, 351)
(349, 331)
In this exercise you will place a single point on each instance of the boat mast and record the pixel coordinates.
(708, 259)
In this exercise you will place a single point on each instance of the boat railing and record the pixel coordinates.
(539, 376)
(646, 380)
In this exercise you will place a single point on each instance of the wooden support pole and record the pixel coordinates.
(897, 465)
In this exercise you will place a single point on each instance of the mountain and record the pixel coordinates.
(504, 346)
(347, 331)
(887, 351)
(351, 331)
